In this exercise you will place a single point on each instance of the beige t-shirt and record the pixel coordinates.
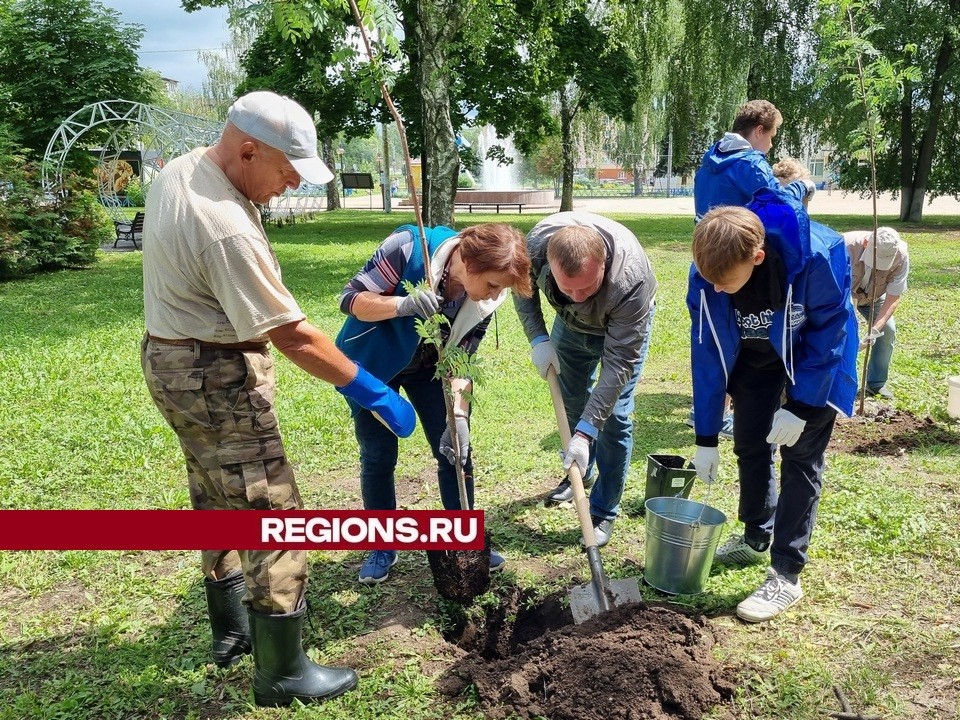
(208, 269)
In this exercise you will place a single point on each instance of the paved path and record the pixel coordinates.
(835, 203)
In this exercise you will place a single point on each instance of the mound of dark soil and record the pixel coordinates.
(637, 662)
(883, 430)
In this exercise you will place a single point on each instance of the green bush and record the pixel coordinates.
(40, 231)
(465, 182)
(135, 196)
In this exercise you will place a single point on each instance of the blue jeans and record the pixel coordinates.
(579, 355)
(878, 369)
(379, 446)
(786, 518)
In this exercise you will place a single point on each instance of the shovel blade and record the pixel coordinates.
(585, 600)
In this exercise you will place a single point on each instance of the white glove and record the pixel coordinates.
(424, 303)
(707, 462)
(578, 452)
(871, 338)
(786, 429)
(543, 356)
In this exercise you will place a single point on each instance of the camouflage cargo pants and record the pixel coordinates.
(220, 405)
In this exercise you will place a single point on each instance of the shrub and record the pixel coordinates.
(40, 231)
(134, 192)
(465, 182)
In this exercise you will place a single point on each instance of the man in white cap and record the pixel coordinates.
(880, 272)
(213, 301)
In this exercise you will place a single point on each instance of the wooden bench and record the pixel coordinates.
(497, 205)
(129, 230)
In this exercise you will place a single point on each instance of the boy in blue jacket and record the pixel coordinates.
(736, 166)
(770, 307)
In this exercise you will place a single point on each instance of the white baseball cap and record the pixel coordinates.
(887, 243)
(283, 124)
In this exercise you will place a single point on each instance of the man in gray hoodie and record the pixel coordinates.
(595, 275)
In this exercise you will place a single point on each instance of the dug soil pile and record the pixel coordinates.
(883, 430)
(637, 662)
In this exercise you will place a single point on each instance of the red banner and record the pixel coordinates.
(241, 530)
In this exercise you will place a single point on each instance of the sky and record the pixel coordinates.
(172, 37)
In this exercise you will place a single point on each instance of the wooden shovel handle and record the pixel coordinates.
(576, 479)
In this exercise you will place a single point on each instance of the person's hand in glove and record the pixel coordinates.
(707, 461)
(463, 439)
(786, 429)
(543, 356)
(384, 402)
(577, 452)
(871, 338)
(423, 303)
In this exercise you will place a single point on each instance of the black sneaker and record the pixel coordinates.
(883, 392)
(563, 493)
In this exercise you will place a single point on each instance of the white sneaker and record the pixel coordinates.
(770, 599)
(736, 551)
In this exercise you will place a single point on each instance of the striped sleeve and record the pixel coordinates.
(383, 271)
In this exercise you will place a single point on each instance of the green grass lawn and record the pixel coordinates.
(123, 634)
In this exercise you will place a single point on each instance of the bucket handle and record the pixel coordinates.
(703, 506)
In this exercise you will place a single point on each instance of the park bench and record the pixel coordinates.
(129, 230)
(497, 205)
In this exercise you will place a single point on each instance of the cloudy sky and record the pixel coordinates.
(172, 37)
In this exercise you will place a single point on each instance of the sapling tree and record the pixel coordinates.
(873, 80)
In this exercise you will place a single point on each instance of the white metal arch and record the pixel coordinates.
(159, 134)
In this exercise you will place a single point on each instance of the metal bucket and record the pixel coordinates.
(668, 475)
(682, 536)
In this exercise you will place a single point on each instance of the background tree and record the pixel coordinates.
(913, 49)
(57, 56)
(315, 72)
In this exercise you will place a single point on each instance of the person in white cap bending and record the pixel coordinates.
(885, 283)
(213, 301)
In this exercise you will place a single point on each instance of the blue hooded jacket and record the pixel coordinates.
(731, 172)
(817, 338)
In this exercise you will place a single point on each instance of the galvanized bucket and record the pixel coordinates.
(682, 536)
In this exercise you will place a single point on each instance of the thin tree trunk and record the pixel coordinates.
(906, 149)
(929, 140)
(438, 22)
(333, 192)
(566, 144)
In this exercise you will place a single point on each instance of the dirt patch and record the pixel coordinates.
(883, 430)
(461, 575)
(637, 662)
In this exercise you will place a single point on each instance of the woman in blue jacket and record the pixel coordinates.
(471, 272)
(770, 307)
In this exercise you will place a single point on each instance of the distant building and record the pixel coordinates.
(171, 85)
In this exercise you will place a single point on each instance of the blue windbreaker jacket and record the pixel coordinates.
(817, 338)
(731, 172)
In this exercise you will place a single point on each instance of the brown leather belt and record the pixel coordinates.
(191, 342)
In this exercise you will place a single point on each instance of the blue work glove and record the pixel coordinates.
(463, 438)
(424, 303)
(384, 402)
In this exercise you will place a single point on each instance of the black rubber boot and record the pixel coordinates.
(283, 671)
(228, 619)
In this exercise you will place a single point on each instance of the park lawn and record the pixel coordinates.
(123, 634)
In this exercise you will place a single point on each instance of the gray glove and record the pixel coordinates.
(707, 462)
(543, 356)
(463, 438)
(425, 303)
(577, 452)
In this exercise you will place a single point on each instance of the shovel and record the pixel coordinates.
(600, 594)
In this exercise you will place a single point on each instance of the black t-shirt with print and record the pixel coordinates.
(755, 304)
